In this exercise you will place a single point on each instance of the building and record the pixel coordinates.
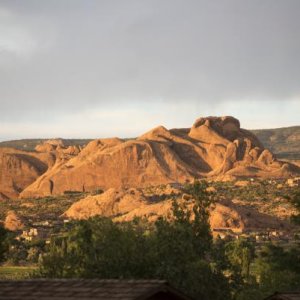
(34, 233)
(223, 233)
(285, 296)
(88, 289)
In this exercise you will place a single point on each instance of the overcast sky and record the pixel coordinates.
(97, 68)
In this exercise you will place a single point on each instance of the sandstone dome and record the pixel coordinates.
(214, 147)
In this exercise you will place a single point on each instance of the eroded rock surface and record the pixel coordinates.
(126, 204)
(213, 147)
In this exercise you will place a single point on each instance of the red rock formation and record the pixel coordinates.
(213, 147)
(124, 205)
(19, 169)
(12, 221)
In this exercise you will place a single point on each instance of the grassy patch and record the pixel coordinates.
(16, 272)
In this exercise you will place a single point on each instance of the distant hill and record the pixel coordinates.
(30, 144)
(284, 142)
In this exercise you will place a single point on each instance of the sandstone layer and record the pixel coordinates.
(213, 147)
(126, 204)
(19, 169)
(13, 222)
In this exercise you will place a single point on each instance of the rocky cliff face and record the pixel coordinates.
(212, 147)
(19, 169)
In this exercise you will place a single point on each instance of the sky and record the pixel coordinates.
(93, 68)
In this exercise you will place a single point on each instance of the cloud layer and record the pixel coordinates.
(63, 58)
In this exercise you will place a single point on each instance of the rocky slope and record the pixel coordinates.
(212, 147)
(19, 169)
(126, 204)
(284, 142)
(31, 144)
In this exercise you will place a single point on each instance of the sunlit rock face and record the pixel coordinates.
(215, 147)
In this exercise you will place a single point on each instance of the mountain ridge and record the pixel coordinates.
(263, 134)
(214, 147)
(284, 142)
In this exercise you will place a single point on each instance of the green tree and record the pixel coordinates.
(237, 259)
(274, 261)
(4, 245)
(176, 249)
(276, 269)
(241, 254)
(295, 200)
(17, 250)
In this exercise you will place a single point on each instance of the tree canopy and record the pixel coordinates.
(176, 250)
(179, 249)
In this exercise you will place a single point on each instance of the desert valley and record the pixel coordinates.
(215, 170)
(140, 177)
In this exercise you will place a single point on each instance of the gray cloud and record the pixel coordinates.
(65, 56)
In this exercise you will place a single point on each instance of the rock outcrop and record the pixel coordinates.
(19, 169)
(213, 147)
(13, 222)
(110, 204)
(124, 205)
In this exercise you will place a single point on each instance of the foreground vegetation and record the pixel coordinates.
(33, 210)
(179, 249)
(16, 272)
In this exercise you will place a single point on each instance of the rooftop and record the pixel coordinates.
(285, 296)
(87, 289)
